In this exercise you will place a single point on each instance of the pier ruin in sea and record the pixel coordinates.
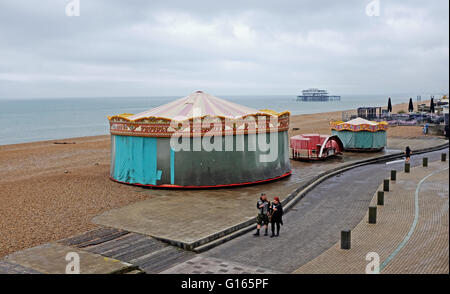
(314, 94)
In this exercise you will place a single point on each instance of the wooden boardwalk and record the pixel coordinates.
(145, 252)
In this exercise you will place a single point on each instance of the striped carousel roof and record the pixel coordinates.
(198, 104)
(157, 122)
(359, 124)
(362, 121)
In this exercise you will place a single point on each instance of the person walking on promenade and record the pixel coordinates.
(262, 219)
(425, 129)
(407, 153)
(276, 216)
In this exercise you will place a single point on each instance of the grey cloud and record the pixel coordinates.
(130, 48)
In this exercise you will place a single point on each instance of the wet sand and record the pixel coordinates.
(52, 191)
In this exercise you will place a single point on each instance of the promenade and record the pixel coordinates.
(313, 225)
(411, 235)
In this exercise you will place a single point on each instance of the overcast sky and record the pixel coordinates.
(150, 48)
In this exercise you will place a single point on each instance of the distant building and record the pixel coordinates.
(423, 108)
(369, 112)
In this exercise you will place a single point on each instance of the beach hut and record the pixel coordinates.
(360, 134)
(199, 141)
(315, 146)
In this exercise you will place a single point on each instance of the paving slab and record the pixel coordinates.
(411, 235)
(15, 269)
(427, 251)
(186, 216)
(50, 258)
(210, 265)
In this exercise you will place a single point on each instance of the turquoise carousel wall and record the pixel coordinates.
(151, 161)
(362, 139)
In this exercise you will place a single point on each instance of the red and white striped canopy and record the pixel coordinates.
(196, 105)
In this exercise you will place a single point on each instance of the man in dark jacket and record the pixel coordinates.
(276, 210)
(262, 219)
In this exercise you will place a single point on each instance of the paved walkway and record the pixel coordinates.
(190, 215)
(314, 225)
(411, 234)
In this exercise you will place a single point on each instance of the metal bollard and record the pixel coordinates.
(380, 198)
(425, 161)
(407, 167)
(386, 185)
(372, 215)
(443, 156)
(393, 175)
(345, 239)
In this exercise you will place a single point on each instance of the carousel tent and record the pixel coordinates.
(171, 145)
(361, 134)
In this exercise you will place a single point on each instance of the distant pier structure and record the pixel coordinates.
(314, 94)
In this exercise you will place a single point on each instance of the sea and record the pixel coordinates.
(39, 119)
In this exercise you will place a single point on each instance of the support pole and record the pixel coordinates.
(425, 161)
(380, 198)
(393, 175)
(345, 239)
(372, 215)
(407, 167)
(386, 185)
